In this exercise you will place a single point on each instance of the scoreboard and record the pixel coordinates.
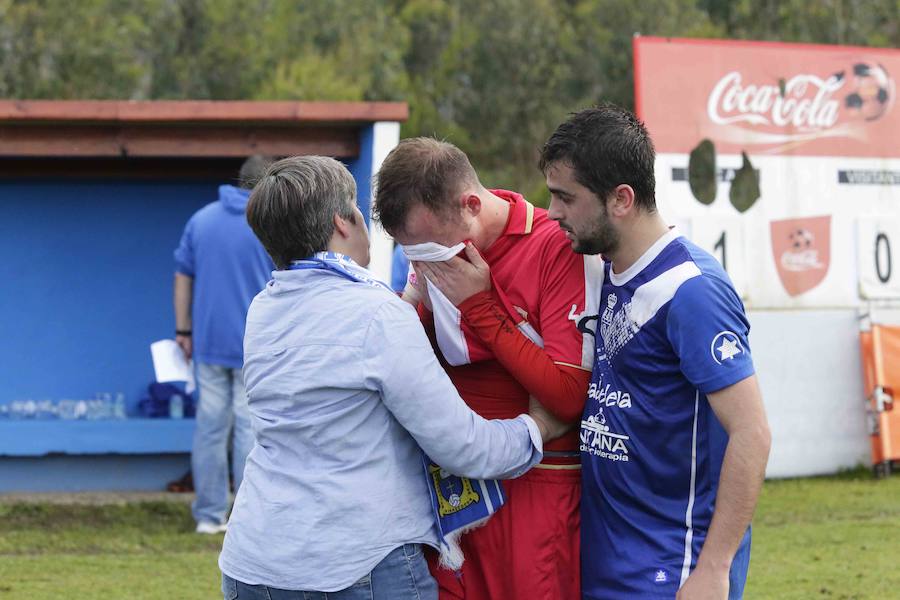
(783, 161)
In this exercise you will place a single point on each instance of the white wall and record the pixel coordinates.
(381, 245)
(808, 363)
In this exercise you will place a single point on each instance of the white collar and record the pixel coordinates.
(646, 258)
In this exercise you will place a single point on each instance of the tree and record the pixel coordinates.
(493, 77)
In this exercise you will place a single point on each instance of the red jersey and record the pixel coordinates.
(557, 292)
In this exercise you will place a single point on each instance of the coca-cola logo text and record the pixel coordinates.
(801, 261)
(806, 102)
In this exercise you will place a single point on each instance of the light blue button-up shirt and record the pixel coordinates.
(344, 389)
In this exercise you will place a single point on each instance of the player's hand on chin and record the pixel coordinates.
(551, 427)
(458, 279)
(705, 583)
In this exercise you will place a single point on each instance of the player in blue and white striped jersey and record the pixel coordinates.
(674, 438)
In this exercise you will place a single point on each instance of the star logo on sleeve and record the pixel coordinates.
(725, 346)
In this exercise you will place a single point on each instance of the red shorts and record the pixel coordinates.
(528, 549)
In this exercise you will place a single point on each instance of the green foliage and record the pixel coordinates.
(606, 29)
(313, 77)
(848, 22)
(48, 50)
(493, 77)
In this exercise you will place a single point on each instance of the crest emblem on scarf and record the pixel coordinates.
(453, 493)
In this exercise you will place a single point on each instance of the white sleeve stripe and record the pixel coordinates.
(689, 517)
(653, 295)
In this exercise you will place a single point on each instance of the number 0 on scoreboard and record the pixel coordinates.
(877, 255)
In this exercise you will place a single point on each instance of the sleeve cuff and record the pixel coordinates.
(537, 444)
(475, 301)
(726, 380)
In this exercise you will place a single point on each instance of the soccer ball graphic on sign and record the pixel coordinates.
(870, 91)
(801, 240)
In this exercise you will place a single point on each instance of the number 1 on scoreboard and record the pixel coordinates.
(723, 237)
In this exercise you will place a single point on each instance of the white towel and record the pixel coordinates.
(458, 345)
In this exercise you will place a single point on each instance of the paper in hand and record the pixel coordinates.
(170, 364)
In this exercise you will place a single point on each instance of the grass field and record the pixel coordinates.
(835, 538)
(831, 537)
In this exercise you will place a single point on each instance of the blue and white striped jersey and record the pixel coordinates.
(671, 330)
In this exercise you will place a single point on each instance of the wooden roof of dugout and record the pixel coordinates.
(186, 129)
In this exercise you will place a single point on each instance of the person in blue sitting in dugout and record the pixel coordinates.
(345, 394)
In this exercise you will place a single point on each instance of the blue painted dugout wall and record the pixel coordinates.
(87, 274)
(86, 269)
(87, 286)
(361, 168)
(87, 282)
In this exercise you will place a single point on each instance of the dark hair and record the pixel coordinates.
(292, 208)
(253, 169)
(606, 146)
(420, 170)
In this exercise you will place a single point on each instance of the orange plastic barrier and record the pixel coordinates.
(881, 376)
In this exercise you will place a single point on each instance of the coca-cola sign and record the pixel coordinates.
(803, 108)
(806, 102)
(765, 98)
(802, 252)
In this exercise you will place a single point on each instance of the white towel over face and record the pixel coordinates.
(432, 252)
(457, 346)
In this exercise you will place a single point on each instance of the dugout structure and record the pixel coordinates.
(95, 195)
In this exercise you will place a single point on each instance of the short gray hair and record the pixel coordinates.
(292, 207)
